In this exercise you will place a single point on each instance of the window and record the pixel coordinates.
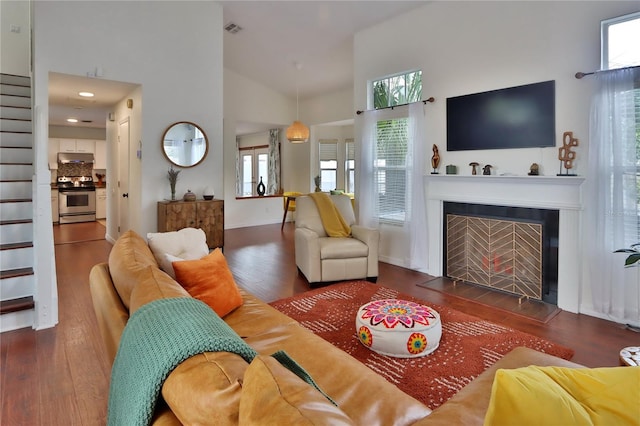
(620, 47)
(350, 166)
(328, 164)
(397, 90)
(390, 156)
(254, 164)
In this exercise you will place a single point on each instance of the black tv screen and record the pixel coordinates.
(516, 117)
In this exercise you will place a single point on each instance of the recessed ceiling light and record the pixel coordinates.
(72, 120)
(86, 94)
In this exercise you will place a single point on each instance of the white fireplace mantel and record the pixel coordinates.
(562, 193)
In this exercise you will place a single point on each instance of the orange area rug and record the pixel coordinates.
(469, 345)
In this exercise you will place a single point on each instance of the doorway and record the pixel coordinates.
(123, 176)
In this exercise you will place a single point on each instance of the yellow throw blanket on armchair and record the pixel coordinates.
(332, 220)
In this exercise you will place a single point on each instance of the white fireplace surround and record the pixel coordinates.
(562, 193)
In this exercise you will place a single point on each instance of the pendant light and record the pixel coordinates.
(297, 132)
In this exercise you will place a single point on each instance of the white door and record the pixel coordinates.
(123, 177)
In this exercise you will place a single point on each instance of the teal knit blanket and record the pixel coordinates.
(158, 337)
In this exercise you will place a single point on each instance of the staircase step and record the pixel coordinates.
(16, 155)
(15, 101)
(16, 113)
(15, 200)
(13, 90)
(13, 273)
(16, 232)
(15, 305)
(15, 222)
(16, 189)
(16, 172)
(16, 211)
(13, 125)
(16, 139)
(16, 256)
(15, 80)
(14, 246)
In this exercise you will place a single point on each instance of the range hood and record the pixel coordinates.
(74, 157)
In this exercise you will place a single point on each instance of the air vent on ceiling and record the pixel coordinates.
(232, 28)
(87, 121)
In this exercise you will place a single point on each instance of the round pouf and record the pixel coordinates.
(399, 328)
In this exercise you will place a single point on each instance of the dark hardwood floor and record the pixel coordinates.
(60, 376)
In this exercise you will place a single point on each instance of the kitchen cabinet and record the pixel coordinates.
(55, 213)
(77, 145)
(207, 215)
(100, 155)
(101, 203)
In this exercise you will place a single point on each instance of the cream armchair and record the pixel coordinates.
(324, 259)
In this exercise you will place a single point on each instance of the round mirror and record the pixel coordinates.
(185, 144)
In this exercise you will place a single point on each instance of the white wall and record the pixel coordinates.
(179, 68)
(15, 49)
(248, 101)
(469, 47)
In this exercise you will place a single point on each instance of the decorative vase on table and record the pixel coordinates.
(317, 180)
(172, 176)
(189, 196)
(208, 193)
(261, 188)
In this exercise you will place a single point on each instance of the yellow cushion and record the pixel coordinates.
(273, 395)
(210, 280)
(565, 396)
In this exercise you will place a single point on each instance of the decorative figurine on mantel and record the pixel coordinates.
(486, 170)
(566, 155)
(534, 170)
(473, 165)
(435, 160)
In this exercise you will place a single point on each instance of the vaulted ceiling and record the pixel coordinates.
(274, 37)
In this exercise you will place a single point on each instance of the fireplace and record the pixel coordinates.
(508, 249)
(560, 194)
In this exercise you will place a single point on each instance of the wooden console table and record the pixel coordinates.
(207, 215)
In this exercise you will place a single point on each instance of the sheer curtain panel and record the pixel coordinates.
(611, 195)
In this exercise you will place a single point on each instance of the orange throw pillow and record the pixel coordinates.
(210, 280)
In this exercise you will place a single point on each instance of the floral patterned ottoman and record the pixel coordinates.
(399, 328)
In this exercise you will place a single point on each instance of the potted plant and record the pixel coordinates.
(634, 254)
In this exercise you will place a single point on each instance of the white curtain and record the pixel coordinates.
(416, 223)
(611, 196)
(366, 192)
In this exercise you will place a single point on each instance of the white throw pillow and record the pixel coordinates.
(185, 244)
(167, 264)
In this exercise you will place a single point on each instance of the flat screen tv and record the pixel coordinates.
(516, 117)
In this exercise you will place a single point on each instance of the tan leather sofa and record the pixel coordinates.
(212, 388)
(324, 259)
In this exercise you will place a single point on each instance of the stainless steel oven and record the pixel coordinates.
(77, 203)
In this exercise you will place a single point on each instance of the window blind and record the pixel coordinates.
(390, 172)
(328, 149)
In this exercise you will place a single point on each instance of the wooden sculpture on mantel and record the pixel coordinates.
(435, 159)
(566, 155)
